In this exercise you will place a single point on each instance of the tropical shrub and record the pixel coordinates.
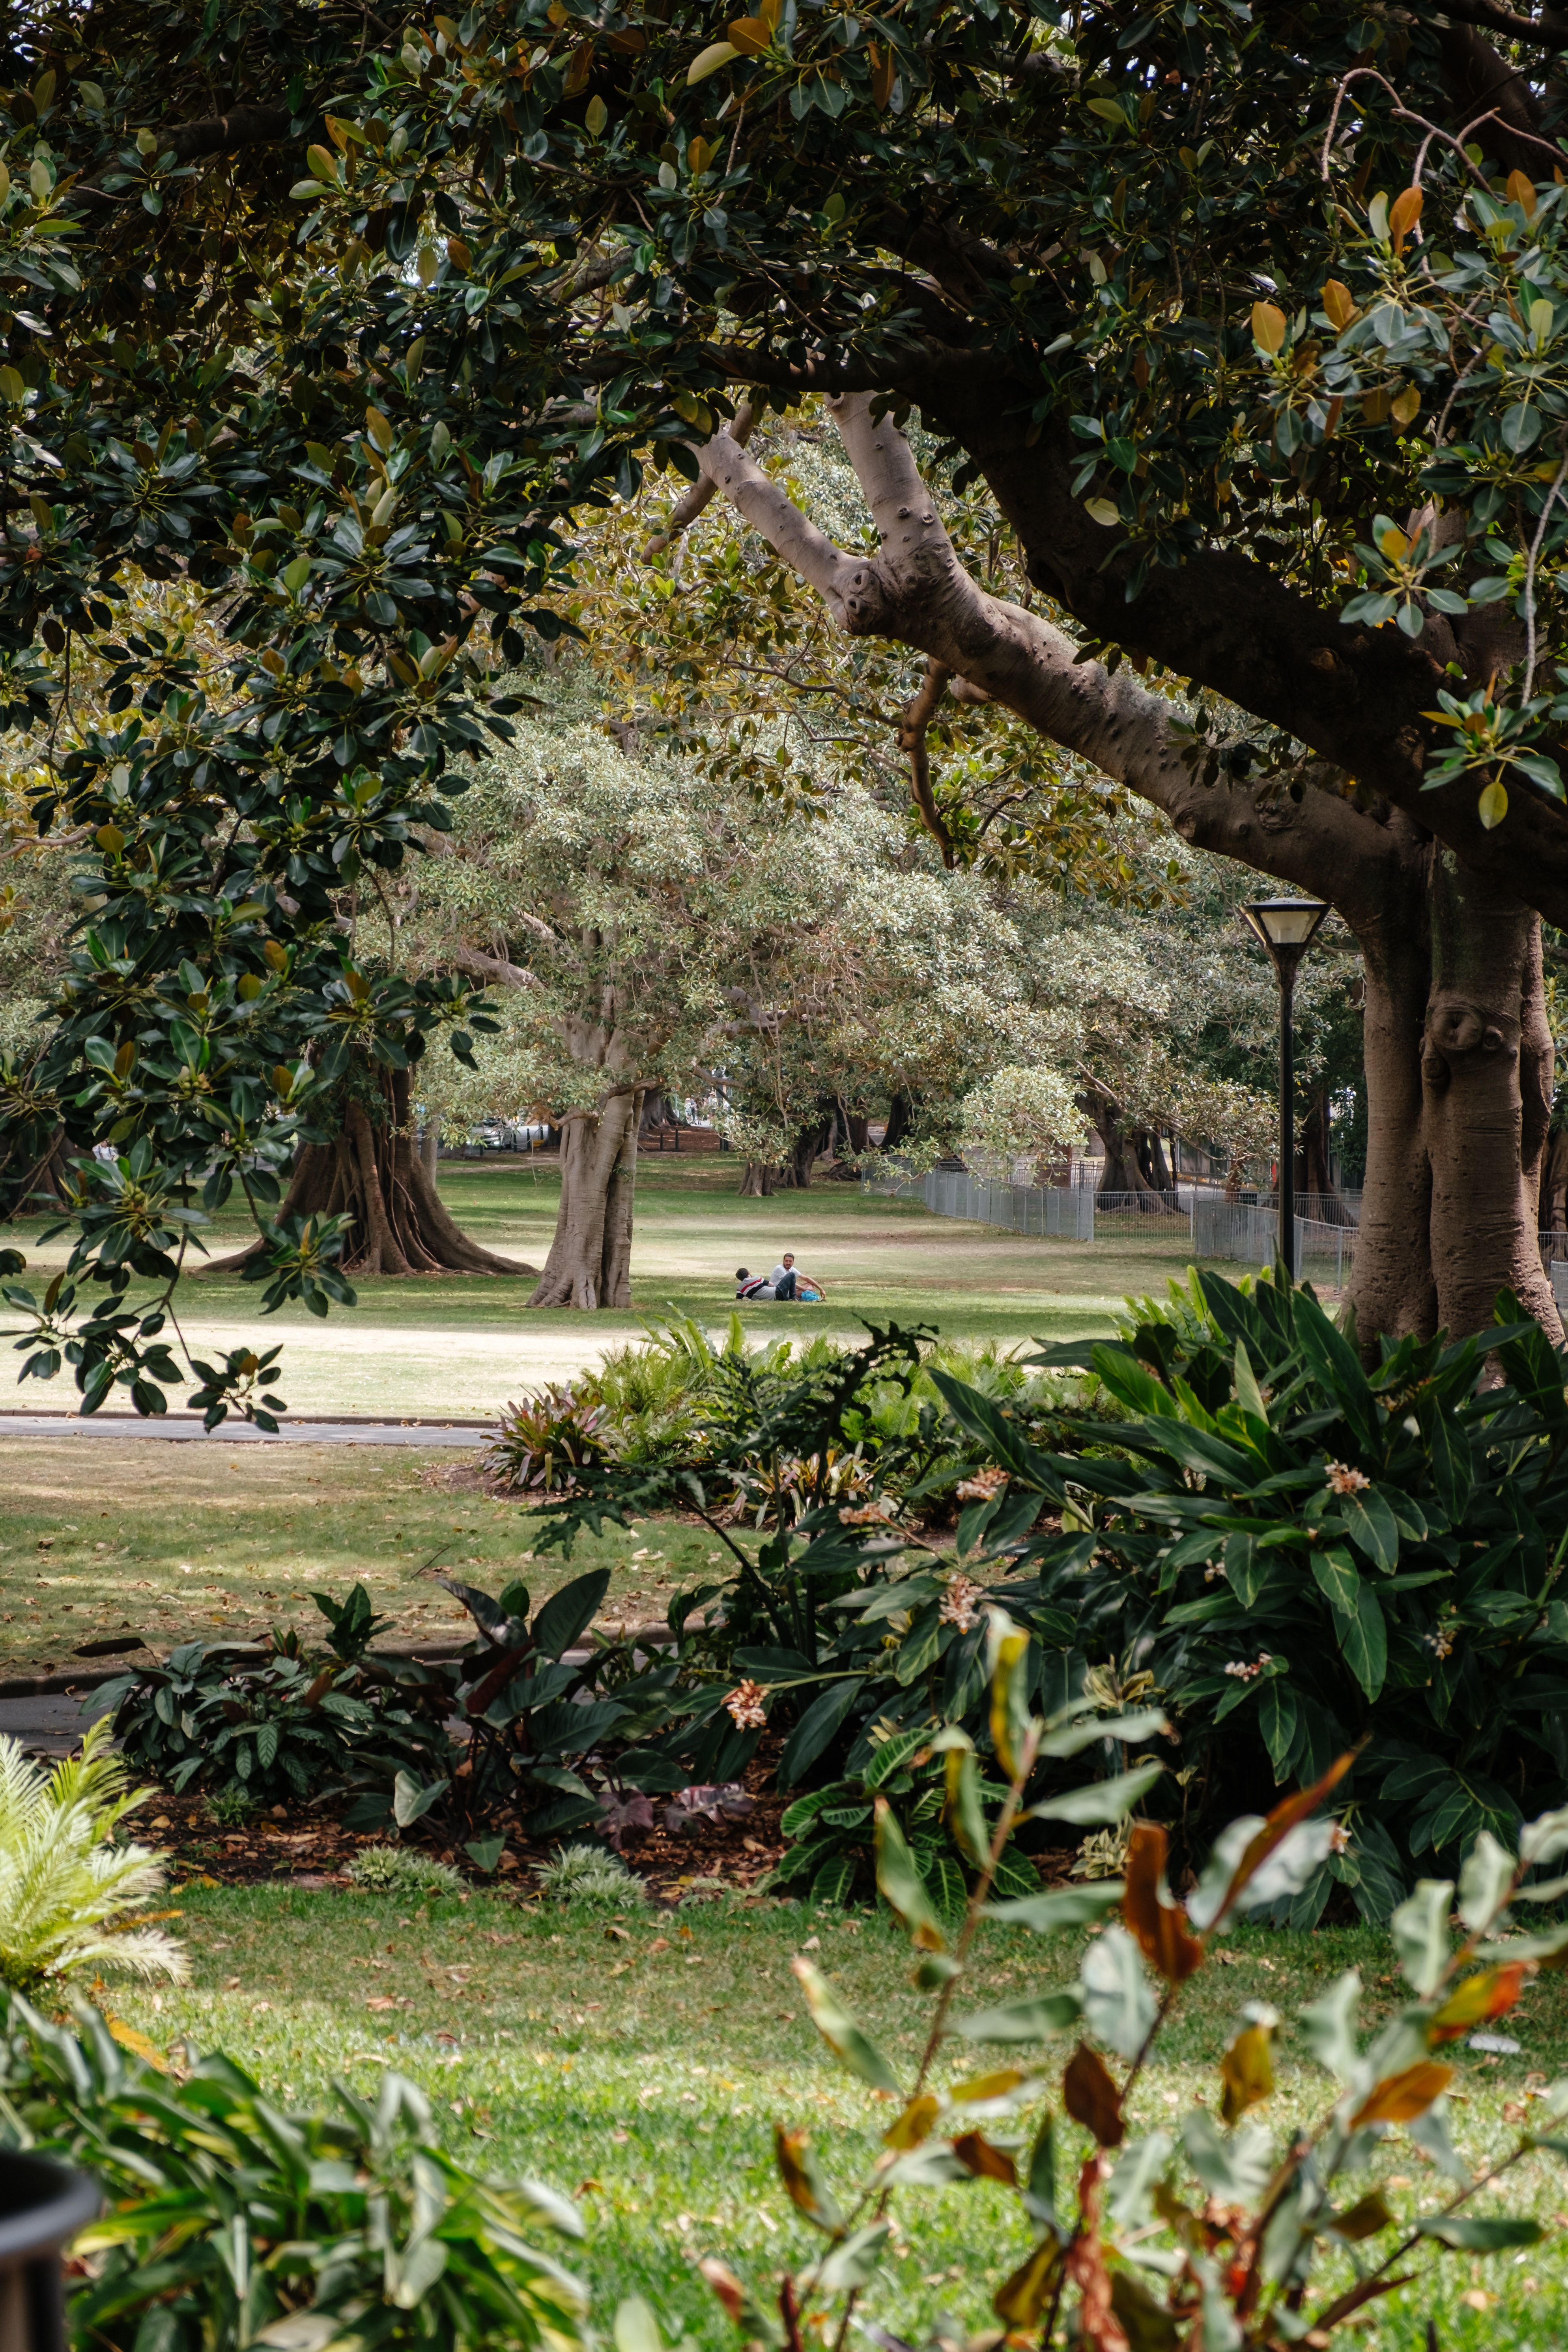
(69, 1894)
(1310, 1558)
(831, 1830)
(542, 1443)
(283, 1721)
(557, 1739)
(1209, 2229)
(231, 2224)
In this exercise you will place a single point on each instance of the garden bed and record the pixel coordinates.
(307, 1846)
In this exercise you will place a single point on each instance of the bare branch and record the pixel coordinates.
(919, 712)
(916, 593)
(690, 507)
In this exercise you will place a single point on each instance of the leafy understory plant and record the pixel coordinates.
(402, 1870)
(69, 1896)
(1213, 2233)
(587, 1873)
(231, 2225)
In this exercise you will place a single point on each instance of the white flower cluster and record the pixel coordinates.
(1245, 1673)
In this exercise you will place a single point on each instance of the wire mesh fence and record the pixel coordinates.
(1202, 1224)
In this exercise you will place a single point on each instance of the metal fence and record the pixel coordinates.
(1206, 1223)
(1053, 1212)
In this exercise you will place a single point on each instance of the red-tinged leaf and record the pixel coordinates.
(1400, 2098)
(1279, 1826)
(1099, 2328)
(1160, 1929)
(802, 2178)
(977, 2156)
(1091, 2097)
(1475, 2000)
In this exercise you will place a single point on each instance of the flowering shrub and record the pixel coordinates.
(1309, 1559)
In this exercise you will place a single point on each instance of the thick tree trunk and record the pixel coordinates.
(900, 1119)
(1458, 1065)
(374, 1174)
(589, 1266)
(1123, 1172)
(809, 1146)
(1314, 1169)
(1486, 1073)
(757, 1180)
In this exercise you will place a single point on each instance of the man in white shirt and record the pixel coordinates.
(788, 1280)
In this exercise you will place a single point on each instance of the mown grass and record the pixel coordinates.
(102, 1537)
(640, 2060)
(463, 1345)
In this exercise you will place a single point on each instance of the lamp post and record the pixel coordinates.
(1286, 927)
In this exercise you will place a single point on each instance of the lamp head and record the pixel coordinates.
(1286, 927)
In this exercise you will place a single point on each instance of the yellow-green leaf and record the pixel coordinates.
(709, 61)
(595, 116)
(1492, 805)
(1104, 511)
(840, 2031)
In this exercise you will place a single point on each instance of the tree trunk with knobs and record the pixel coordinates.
(757, 1180)
(1458, 1057)
(589, 1266)
(374, 1174)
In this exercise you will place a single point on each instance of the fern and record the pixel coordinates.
(68, 1898)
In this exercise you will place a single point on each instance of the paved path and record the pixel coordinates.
(51, 1724)
(180, 1428)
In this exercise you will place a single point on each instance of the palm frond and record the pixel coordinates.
(69, 1899)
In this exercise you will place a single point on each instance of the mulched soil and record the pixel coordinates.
(307, 1846)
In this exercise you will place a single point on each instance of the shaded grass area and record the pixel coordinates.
(643, 2072)
(462, 1345)
(102, 1537)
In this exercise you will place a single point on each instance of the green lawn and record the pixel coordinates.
(646, 2080)
(462, 1346)
(102, 1537)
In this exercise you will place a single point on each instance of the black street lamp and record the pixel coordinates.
(1286, 927)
